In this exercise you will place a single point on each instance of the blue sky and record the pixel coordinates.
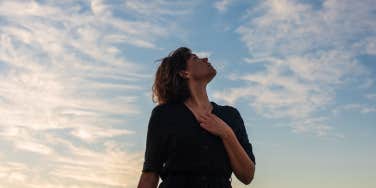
(76, 77)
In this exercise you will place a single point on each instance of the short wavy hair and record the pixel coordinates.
(169, 86)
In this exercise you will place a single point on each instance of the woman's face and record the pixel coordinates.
(199, 69)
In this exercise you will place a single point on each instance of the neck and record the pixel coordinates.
(199, 98)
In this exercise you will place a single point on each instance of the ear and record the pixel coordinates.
(183, 74)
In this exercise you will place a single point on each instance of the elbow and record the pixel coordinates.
(148, 180)
(248, 179)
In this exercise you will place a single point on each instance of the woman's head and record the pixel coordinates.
(176, 71)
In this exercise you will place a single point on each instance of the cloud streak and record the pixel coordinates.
(307, 54)
(66, 85)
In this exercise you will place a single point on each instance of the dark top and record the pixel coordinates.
(186, 155)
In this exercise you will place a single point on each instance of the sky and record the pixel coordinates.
(76, 78)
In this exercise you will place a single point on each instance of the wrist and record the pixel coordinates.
(227, 133)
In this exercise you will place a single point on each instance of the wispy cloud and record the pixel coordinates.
(93, 133)
(66, 85)
(12, 172)
(307, 54)
(371, 96)
(362, 108)
(222, 5)
(159, 8)
(203, 54)
(106, 164)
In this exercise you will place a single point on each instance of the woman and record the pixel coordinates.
(192, 142)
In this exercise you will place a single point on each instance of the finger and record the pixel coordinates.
(202, 116)
(203, 125)
(209, 117)
(214, 117)
(200, 120)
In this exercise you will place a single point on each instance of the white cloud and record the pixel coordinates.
(111, 167)
(66, 85)
(362, 108)
(203, 54)
(285, 88)
(260, 59)
(230, 96)
(315, 125)
(99, 7)
(371, 47)
(98, 164)
(159, 8)
(222, 5)
(33, 147)
(307, 55)
(297, 28)
(49, 76)
(371, 96)
(93, 133)
(12, 172)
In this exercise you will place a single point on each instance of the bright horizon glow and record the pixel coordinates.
(76, 77)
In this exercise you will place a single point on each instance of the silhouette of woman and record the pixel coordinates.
(193, 142)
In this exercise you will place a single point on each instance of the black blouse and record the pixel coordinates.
(186, 155)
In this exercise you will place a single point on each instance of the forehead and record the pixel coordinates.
(193, 55)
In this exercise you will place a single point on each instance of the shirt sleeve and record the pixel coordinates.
(242, 135)
(155, 154)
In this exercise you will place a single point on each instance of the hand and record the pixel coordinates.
(214, 124)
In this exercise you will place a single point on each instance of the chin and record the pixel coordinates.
(214, 72)
(212, 75)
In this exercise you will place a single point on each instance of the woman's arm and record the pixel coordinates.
(242, 165)
(155, 152)
(148, 180)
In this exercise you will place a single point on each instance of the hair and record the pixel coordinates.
(169, 86)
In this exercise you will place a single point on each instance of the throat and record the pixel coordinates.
(197, 111)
